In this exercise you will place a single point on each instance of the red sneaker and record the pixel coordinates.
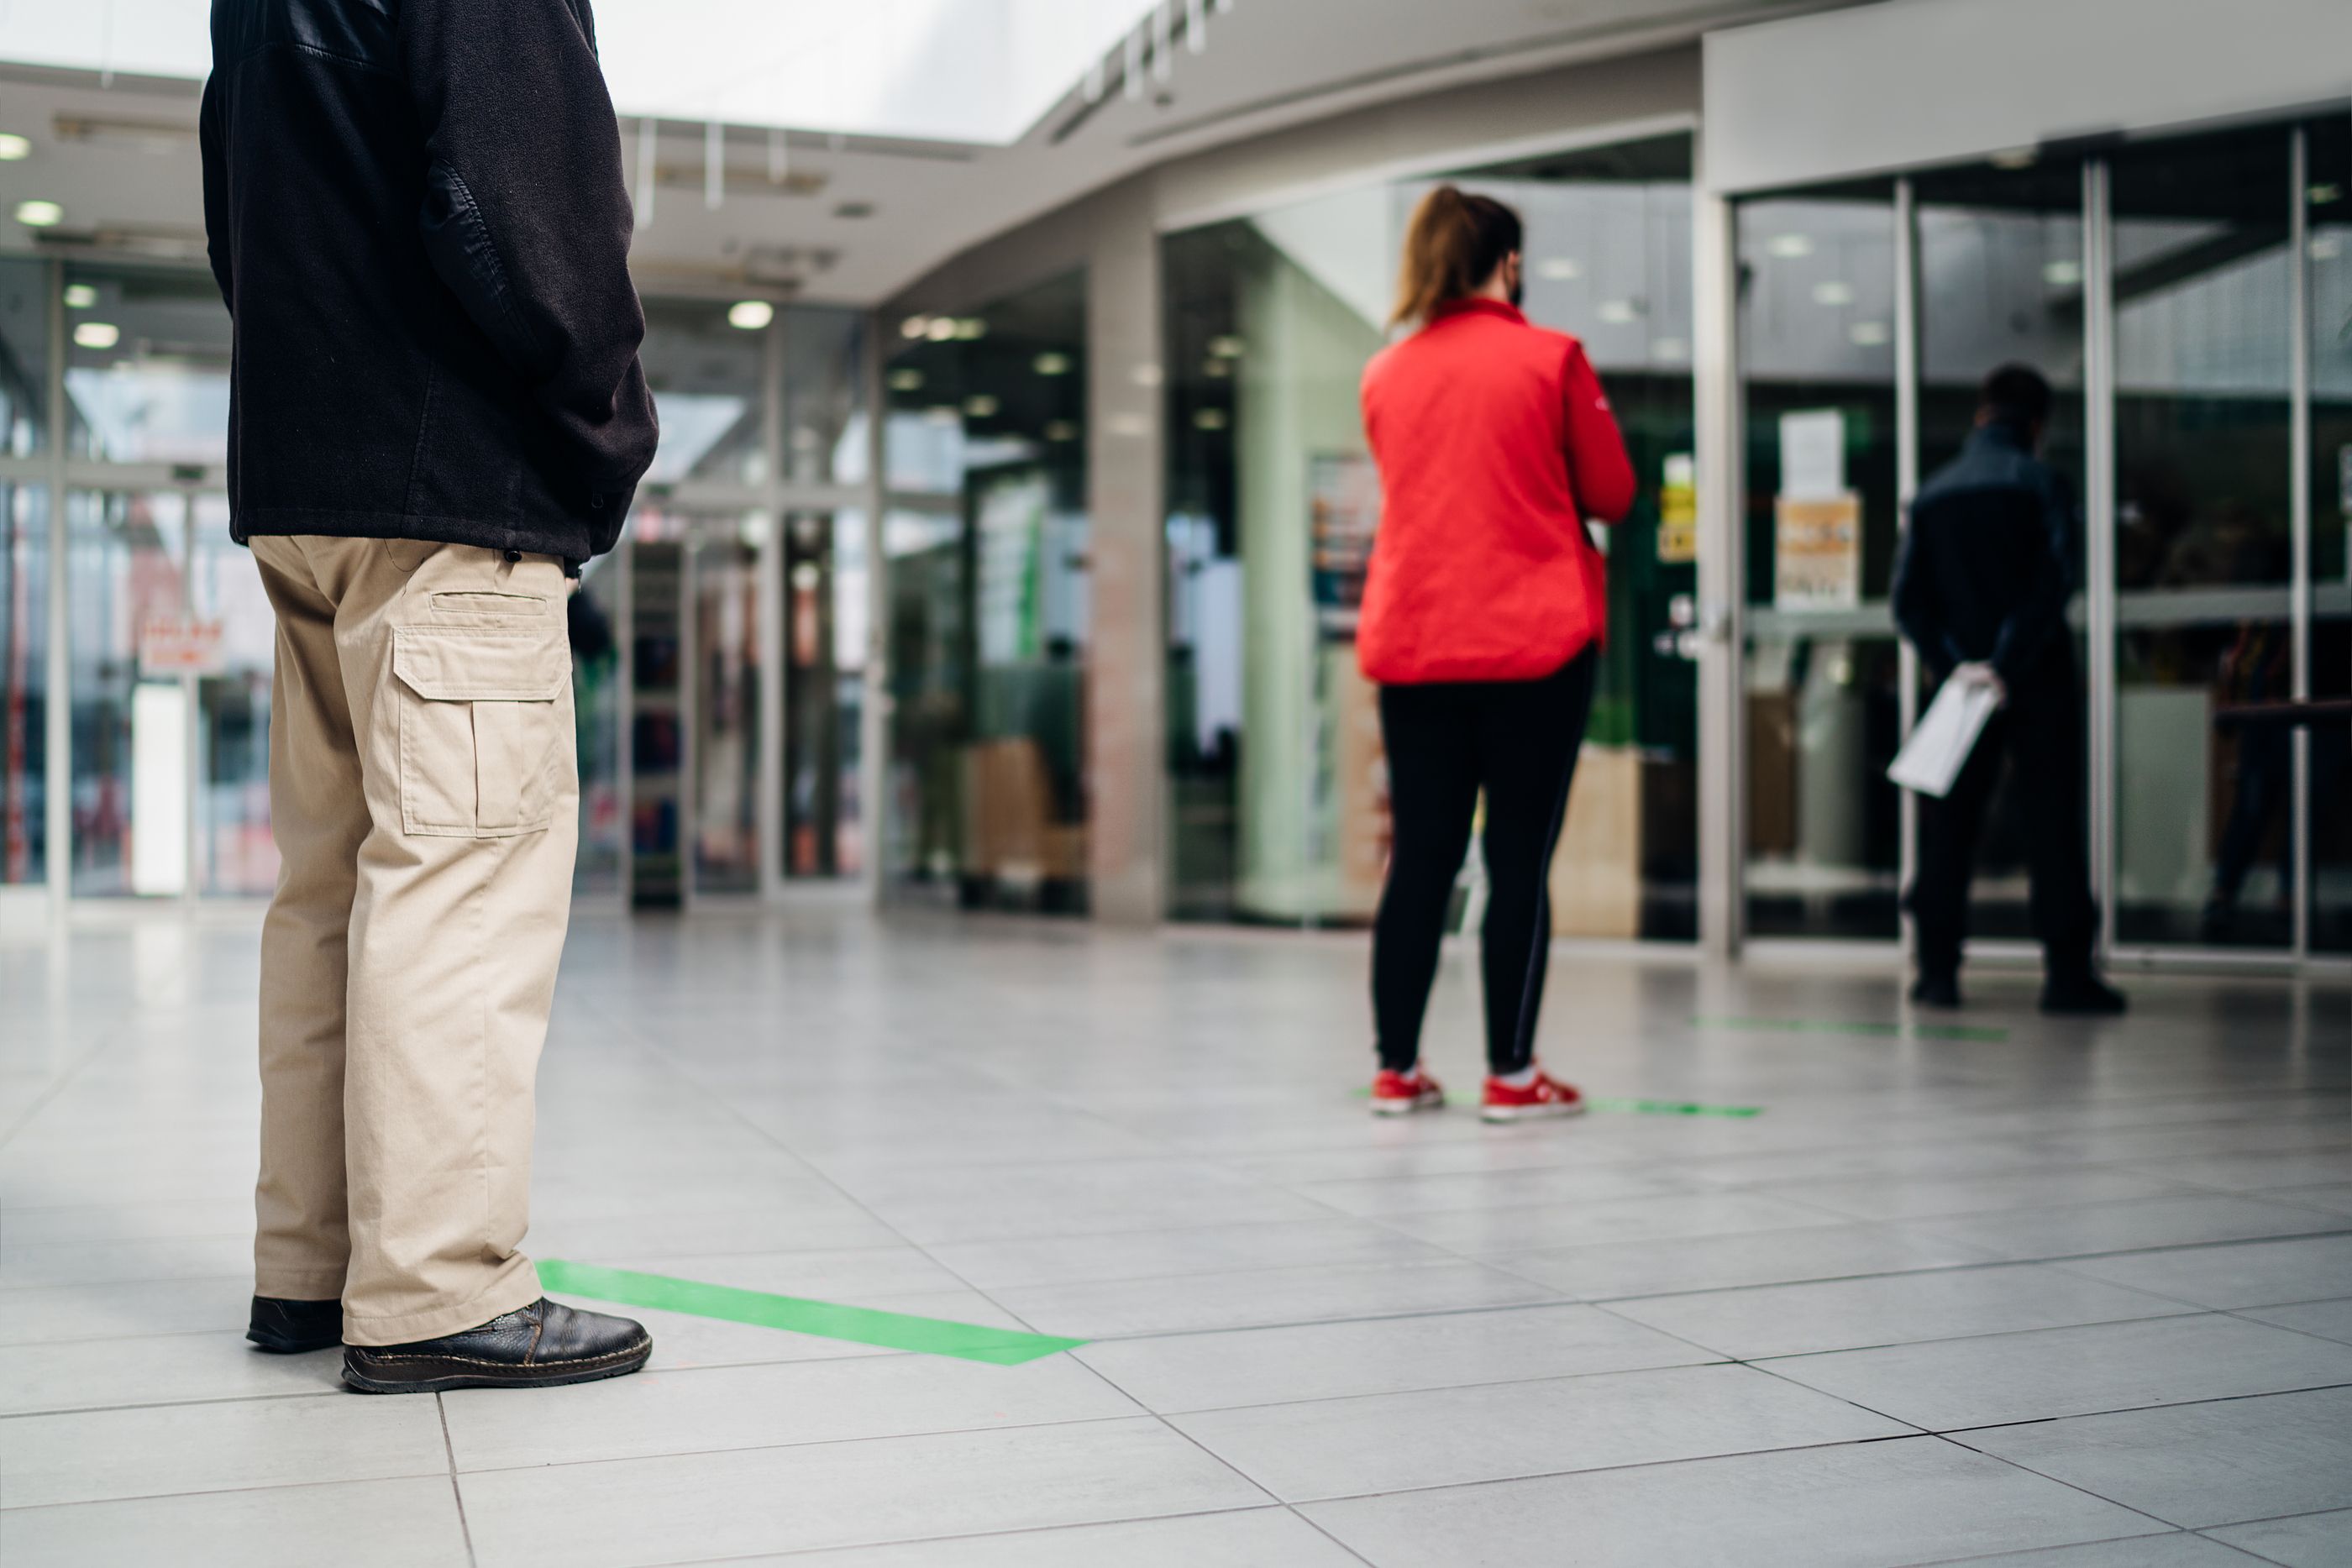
(1546, 1096)
(1402, 1094)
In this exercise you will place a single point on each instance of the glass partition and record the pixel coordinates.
(147, 361)
(825, 395)
(728, 679)
(707, 377)
(126, 570)
(24, 682)
(825, 625)
(1822, 697)
(988, 617)
(24, 355)
(235, 853)
(2327, 207)
(593, 620)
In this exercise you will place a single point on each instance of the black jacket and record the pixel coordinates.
(416, 214)
(1990, 558)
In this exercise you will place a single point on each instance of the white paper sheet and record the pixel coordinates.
(1938, 749)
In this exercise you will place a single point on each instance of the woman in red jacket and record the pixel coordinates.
(1483, 611)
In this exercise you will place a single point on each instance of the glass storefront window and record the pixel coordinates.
(729, 686)
(2203, 528)
(24, 682)
(146, 366)
(988, 618)
(126, 568)
(825, 396)
(2000, 282)
(24, 356)
(1817, 355)
(593, 620)
(236, 854)
(2327, 198)
(826, 626)
(707, 377)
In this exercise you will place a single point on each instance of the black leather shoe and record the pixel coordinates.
(289, 1328)
(2083, 995)
(1941, 991)
(542, 1345)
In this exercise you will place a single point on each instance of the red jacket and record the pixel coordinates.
(1493, 440)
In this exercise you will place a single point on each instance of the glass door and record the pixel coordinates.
(2326, 201)
(825, 625)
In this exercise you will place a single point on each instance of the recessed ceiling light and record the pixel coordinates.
(80, 296)
(1559, 268)
(980, 406)
(1225, 347)
(1832, 292)
(97, 334)
(1051, 364)
(39, 214)
(1789, 247)
(2325, 195)
(14, 147)
(1674, 348)
(2327, 247)
(915, 327)
(2061, 274)
(750, 315)
(940, 328)
(1618, 312)
(906, 380)
(1868, 334)
(970, 329)
(1209, 419)
(2016, 158)
(944, 413)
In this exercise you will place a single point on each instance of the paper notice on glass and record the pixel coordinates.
(1938, 749)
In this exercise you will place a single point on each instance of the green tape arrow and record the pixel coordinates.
(860, 1325)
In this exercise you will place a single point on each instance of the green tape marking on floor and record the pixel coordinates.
(1676, 1108)
(1838, 1026)
(860, 1325)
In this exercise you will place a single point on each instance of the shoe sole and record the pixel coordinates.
(277, 1344)
(1407, 1107)
(1529, 1112)
(435, 1373)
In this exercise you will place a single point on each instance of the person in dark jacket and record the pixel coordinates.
(416, 213)
(1986, 568)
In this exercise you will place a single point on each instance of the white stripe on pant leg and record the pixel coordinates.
(1537, 938)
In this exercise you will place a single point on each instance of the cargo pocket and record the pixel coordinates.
(481, 728)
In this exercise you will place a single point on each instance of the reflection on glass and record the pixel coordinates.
(824, 401)
(1273, 749)
(706, 376)
(825, 617)
(592, 617)
(1816, 313)
(130, 777)
(24, 355)
(236, 854)
(2328, 212)
(24, 681)
(727, 688)
(2203, 530)
(2000, 282)
(986, 457)
(146, 366)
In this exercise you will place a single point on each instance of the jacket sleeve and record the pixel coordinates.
(526, 217)
(1598, 469)
(1917, 610)
(2041, 616)
(212, 138)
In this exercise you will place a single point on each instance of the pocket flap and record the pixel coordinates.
(465, 664)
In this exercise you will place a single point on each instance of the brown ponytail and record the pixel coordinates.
(1451, 247)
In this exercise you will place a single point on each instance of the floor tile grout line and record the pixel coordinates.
(457, 1490)
(2142, 1409)
(17, 1508)
(968, 1535)
(2070, 1485)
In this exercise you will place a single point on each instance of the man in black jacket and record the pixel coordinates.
(1986, 568)
(417, 215)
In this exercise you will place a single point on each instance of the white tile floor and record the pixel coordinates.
(2077, 1295)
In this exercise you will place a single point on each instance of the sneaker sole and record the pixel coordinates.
(1529, 1112)
(434, 1374)
(1407, 1107)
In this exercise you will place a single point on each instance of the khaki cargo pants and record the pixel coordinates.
(425, 796)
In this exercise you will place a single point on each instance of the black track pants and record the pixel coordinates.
(1517, 740)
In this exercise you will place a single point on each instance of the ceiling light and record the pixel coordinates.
(1789, 247)
(2015, 158)
(1050, 364)
(1868, 334)
(980, 406)
(1061, 430)
(1559, 268)
(80, 296)
(915, 327)
(39, 214)
(14, 147)
(1834, 293)
(97, 334)
(1225, 347)
(2323, 195)
(906, 380)
(750, 315)
(1618, 312)
(1669, 348)
(2061, 274)
(941, 330)
(970, 330)
(1209, 419)
(944, 413)
(2327, 247)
